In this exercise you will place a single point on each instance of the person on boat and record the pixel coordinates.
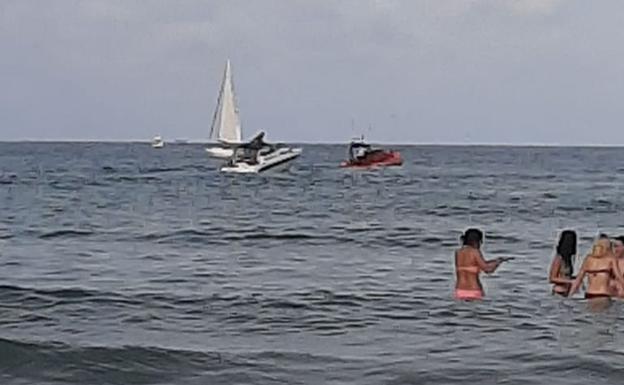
(600, 267)
(258, 141)
(618, 253)
(469, 262)
(249, 151)
(361, 152)
(562, 266)
(358, 150)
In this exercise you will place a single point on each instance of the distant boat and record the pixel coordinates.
(226, 126)
(363, 155)
(158, 142)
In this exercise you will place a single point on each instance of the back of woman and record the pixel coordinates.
(467, 269)
(469, 263)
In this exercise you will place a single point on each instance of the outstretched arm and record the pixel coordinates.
(487, 266)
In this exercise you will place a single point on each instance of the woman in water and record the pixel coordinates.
(562, 267)
(600, 267)
(469, 262)
(618, 251)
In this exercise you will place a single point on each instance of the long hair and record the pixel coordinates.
(566, 249)
(472, 237)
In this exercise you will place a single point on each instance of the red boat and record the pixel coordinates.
(362, 155)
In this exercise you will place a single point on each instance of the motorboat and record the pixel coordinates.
(258, 156)
(226, 126)
(158, 142)
(363, 155)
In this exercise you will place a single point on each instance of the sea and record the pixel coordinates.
(122, 264)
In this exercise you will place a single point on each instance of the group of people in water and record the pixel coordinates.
(603, 267)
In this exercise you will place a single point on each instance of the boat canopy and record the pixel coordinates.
(254, 144)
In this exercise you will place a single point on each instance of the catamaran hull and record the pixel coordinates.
(220, 152)
(280, 160)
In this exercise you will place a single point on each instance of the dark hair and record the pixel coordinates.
(472, 237)
(603, 236)
(620, 238)
(566, 248)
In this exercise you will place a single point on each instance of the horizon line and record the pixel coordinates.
(182, 141)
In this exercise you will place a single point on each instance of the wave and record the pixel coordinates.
(137, 178)
(65, 233)
(55, 361)
(59, 362)
(223, 236)
(40, 299)
(293, 236)
(161, 169)
(11, 179)
(374, 236)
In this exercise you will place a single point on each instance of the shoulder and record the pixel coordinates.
(465, 253)
(474, 253)
(588, 260)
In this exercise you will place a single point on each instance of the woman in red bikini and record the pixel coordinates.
(600, 267)
(469, 262)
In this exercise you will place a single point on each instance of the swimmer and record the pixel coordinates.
(469, 262)
(600, 267)
(618, 252)
(562, 267)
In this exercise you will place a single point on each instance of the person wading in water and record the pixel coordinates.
(601, 268)
(562, 267)
(469, 262)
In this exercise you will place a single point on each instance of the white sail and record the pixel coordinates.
(226, 122)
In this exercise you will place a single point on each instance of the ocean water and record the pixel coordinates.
(120, 264)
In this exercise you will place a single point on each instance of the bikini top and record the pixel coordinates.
(469, 269)
(598, 271)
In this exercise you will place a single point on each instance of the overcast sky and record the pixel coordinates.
(417, 71)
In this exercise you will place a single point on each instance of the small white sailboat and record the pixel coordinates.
(226, 127)
(158, 142)
(258, 156)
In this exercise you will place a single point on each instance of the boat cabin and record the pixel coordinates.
(358, 150)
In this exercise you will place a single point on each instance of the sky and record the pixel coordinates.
(413, 71)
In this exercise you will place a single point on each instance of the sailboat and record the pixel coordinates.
(226, 127)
